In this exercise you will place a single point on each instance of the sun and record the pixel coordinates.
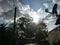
(35, 18)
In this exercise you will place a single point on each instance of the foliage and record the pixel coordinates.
(31, 29)
(41, 31)
(6, 36)
(25, 28)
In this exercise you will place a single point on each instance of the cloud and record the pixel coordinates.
(5, 6)
(49, 18)
(10, 14)
(7, 9)
(58, 11)
(1, 10)
(34, 14)
(46, 5)
(40, 11)
(1, 0)
(51, 25)
(25, 9)
(56, 1)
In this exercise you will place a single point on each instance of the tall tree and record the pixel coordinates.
(41, 32)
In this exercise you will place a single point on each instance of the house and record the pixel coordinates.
(54, 36)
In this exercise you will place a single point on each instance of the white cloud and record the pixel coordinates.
(6, 7)
(1, 10)
(40, 11)
(7, 10)
(45, 4)
(56, 1)
(25, 9)
(49, 18)
(58, 11)
(34, 15)
(51, 25)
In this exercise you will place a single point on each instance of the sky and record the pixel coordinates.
(27, 8)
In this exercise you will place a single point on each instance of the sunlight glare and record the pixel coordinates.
(35, 18)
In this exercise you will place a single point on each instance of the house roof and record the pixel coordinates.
(54, 29)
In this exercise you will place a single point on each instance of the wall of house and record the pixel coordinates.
(54, 36)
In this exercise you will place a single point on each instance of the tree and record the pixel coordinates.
(6, 36)
(24, 24)
(29, 27)
(23, 21)
(30, 30)
(41, 33)
(38, 31)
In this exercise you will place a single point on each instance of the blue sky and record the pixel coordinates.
(35, 4)
(33, 8)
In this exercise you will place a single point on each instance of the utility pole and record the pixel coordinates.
(14, 28)
(15, 19)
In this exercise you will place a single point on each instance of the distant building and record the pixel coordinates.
(54, 36)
